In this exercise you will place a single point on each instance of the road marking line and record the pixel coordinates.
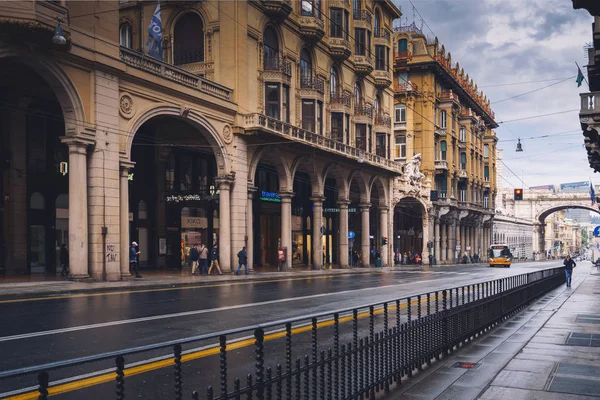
(231, 283)
(168, 362)
(183, 314)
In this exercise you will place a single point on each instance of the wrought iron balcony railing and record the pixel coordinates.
(363, 109)
(341, 98)
(362, 15)
(314, 83)
(277, 64)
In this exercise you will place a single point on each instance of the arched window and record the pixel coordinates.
(126, 35)
(377, 105)
(271, 49)
(334, 90)
(357, 94)
(188, 40)
(305, 69)
(377, 24)
(402, 45)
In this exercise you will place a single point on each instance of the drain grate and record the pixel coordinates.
(588, 319)
(583, 339)
(576, 379)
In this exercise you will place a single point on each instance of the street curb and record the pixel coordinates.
(165, 285)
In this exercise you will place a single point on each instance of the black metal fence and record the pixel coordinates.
(352, 353)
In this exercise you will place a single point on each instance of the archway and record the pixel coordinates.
(378, 220)
(40, 108)
(408, 230)
(358, 219)
(173, 193)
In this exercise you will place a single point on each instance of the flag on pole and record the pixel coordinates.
(154, 43)
(592, 193)
(580, 76)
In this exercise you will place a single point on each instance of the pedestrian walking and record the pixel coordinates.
(242, 260)
(194, 256)
(133, 259)
(64, 260)
(569, 265)
(214, 259)
(203, 255)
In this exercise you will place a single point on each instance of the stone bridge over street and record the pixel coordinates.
(537, 205)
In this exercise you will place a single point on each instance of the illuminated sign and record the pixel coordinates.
(337, 210)
(270, 196)
(64, 168)
(178, 198)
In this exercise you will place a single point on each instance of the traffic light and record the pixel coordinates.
(518, 194)
(384, 240)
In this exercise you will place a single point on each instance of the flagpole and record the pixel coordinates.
(584, 78)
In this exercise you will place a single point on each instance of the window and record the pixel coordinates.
(170, 172)
(319, 118)
(401, 146)
(486, 200)
(285, 104)
(443, 149)
(311, 8)
(402, 78)
(360, 42)
(305, 69)
(271, 50)
(308, 115)
(377, 24)
(402, 46)
(463, 134)
(463, 160)
(357, 94)
(336, 27)
(185, 173)
(377, 105)
(188, 39)
(380, 147)
(380, 58)
(334, 89)
(443, 119)
(346, 24)
(462, 193)
(356, 7)
(272, 100)
(337, 126)
(486, 150)
(361, 136)
(126, 35)
(400, 113)
(486, 173)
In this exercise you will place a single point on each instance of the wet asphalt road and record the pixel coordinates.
(37, 332)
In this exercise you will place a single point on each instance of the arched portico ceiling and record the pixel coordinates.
(308, 164)
(544, 214)
(335, 171)
(194, 119)
(358, 177)
(61, 84)
(272, 155)
(378, 185)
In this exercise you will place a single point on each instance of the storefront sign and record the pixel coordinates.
(337, 210)
(177, 198)
(270, 196)
(194, 222)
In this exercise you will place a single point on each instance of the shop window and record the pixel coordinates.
(202, 174)
(37, 201)
(125, 35)
(188, 39)
(272, 100)
(400, 147)
(185, 174)
(170, 172)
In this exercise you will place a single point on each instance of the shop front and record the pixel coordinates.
(267, 217)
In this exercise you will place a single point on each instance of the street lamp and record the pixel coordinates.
(59, 38)
(519, 147)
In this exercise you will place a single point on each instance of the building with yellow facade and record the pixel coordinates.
(441, 114)
(262, 123)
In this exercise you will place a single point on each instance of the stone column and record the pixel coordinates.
(436, 238)
(383, 229)
(78, 208)
(317, 224)
(286, 226)
(455, 229)
(343, 233)
(124, 219)
(365, 244)
(250, 228)
(225, 223)
(444, 241)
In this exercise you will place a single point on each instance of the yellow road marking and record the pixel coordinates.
(152, 366)
(71, 296)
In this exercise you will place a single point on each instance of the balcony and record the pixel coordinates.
(383, 123)
(345, 4)
(382, 38)
(589, 116)
(486, 159)
(404, 87)
(462, 144)
(312, 29)
(402, 57)
(486, 184)
(463, 174)
(363, 114)
(340, 102)
(277, 69)
(34, 21)
(339, 48)
(448, 96)
(174, 74)
(400, 125)
(439, 131)
(312, 87)
(441, 165)
(362, 19)
(383, 79)
(277, 10)
(363, 65)
(260, 122)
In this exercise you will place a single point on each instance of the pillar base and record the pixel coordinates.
(81, 278)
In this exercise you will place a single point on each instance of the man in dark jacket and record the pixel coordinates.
(133, 259)
(569, 265)
(243, 260)
(194, 257)
(214, 259)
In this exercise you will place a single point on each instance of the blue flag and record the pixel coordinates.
(592, 193)
(154, 43)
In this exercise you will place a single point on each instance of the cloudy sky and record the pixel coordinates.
(501, 42)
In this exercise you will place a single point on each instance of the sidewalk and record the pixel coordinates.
(550, 351)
